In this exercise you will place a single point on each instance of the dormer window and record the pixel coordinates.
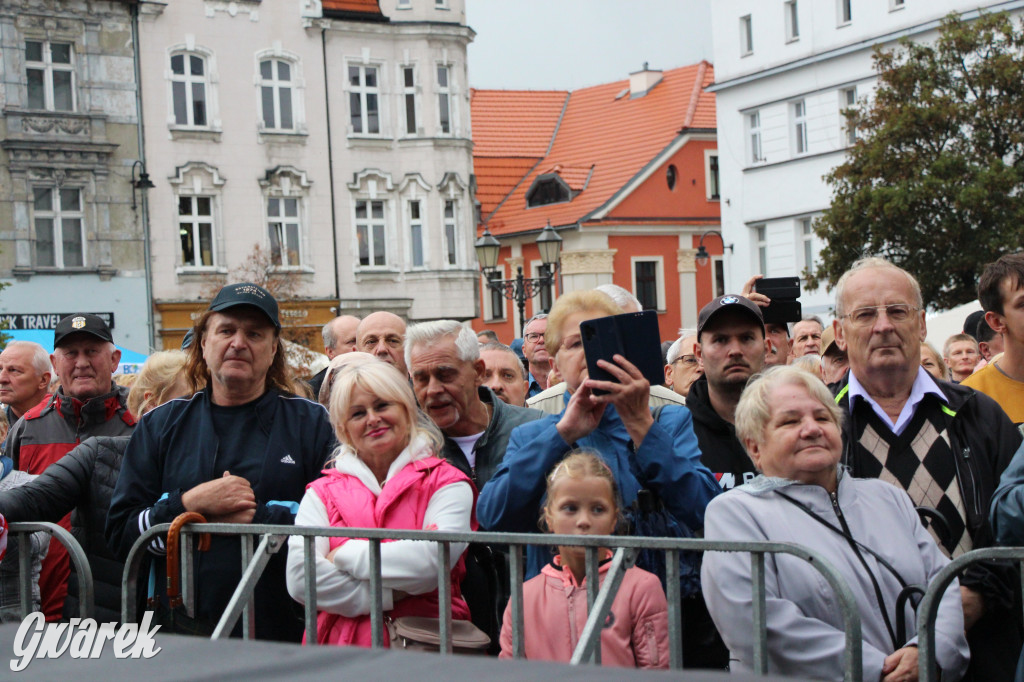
(548, 189)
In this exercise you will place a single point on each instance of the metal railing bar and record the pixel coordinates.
(675, 610)
(86, 589)
(25, 566)
(515, 571)
(188, 575)
(593, 572)
(444, 597)
(242, 597)
(248, 611)
(309, 590)
(377, 596)
(590, 638)
(848, 607)
(928, 609)
(759, 608)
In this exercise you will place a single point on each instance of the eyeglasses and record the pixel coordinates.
(534, 337)
(687, 360)
(896, 312)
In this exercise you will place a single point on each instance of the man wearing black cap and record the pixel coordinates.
(87, 404)
(239, 451)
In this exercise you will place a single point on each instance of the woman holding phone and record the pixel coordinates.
(659, 455)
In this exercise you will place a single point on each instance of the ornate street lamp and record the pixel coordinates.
(143, 181)
(702, 253)
(521, 288)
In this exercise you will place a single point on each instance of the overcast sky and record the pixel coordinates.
(568, 44)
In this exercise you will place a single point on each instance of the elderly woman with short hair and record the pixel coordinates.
(867, 529)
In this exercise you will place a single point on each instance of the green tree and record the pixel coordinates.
(934, 182)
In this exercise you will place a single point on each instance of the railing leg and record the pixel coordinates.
(243, 596)
(309, 562)
(377, 592)
(25, 566)
(590, 638)
(675, 610)
(759, 608)
(248, 610)
(444, 597)
(515, 571)
(593, 588)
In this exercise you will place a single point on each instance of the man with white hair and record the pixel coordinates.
(682, 366)
(447, 376)
(339, 337)
(88, 403)
(24, 377)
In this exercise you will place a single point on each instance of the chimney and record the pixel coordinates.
(641, 82)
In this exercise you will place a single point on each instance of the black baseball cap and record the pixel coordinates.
(728, 302)
(81, 323)
(247, 293)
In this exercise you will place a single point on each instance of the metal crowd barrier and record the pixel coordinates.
(22, 531)
(928, 609)
(599, 601)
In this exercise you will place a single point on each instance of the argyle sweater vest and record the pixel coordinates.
(921, 461)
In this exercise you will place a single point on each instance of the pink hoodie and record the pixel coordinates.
(555, 611)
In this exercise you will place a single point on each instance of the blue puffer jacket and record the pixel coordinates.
(174, 449)
(667, 462)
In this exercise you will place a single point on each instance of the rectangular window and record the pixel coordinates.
(50, 73)
(409, 94)
(800, 127)
(188, 89)
(497, 297)
(285, 228)
(792, 23)
(847, 100)
(450, 233)
(276, 94)
(762, 249)
(370, 233)
(58, 216)
(754, 135)
(806, 236)
(714, 190)
(416, 234)
(746, 36)
(444, 100)
(645, 273)
(719, 277)
(364, 99)
(195, 226)
(844, 12)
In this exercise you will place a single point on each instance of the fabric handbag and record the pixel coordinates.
(417, 633)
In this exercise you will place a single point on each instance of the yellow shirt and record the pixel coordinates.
(1009, 393)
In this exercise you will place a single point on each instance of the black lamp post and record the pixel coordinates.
(521, 288)
(143, 181)
(702, 253)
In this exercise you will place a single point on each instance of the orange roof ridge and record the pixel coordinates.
(698, 88)
(558, 123)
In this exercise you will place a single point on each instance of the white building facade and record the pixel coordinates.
(285, 126)
(784, 72)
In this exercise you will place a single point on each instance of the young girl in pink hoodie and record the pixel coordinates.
(582, 499)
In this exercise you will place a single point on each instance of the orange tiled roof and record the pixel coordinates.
(515, 122)
(601, 142)
(354, 6)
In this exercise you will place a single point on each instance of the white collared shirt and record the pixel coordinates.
(923, 384)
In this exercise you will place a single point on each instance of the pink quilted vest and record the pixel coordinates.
(402, 505)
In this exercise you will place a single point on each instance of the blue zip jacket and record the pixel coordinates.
(174, 449)
(667, 462)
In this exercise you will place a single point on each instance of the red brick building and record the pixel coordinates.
(626, 173)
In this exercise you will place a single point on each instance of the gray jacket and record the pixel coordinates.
(805, 625)
(490, 449)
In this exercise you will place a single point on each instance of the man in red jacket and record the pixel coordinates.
(87, 404)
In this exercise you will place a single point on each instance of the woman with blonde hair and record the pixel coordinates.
(385, 474)
(83, 480)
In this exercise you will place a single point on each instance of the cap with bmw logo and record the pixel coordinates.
(734, 302)
(81, 323)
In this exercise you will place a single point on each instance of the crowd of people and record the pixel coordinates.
(856, 439)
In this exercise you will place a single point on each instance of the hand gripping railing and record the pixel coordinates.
(928, 609)
(23, 531)
(599, 599)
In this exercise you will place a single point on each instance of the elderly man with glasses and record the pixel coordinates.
(944, 444)
(682, 367)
